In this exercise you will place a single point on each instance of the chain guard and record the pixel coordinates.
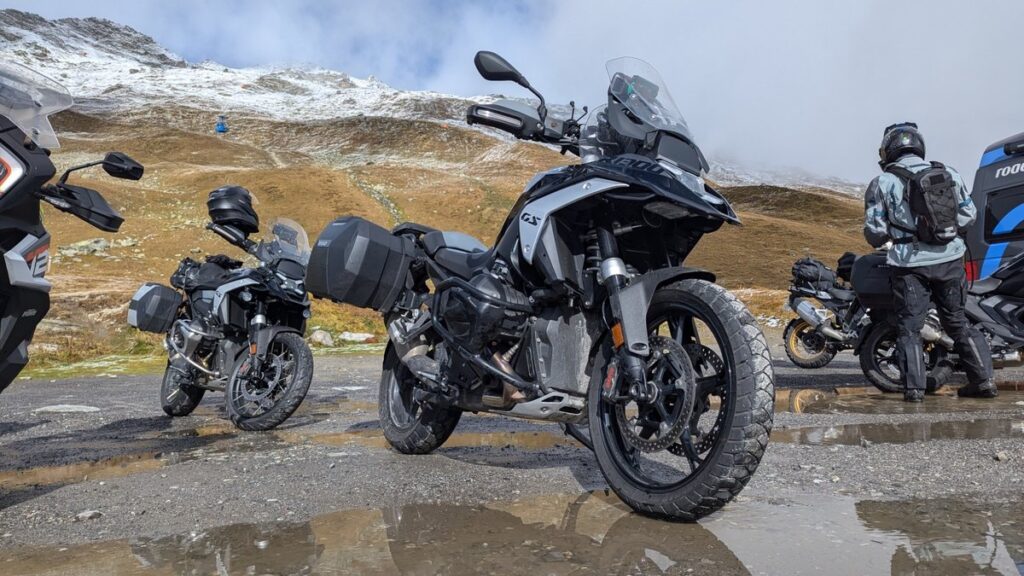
(686, 383)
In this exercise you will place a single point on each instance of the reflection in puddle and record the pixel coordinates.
(894, 404)
(558, 534)
(576, 534)
(903, 433)
(374, 438)
(950, 536)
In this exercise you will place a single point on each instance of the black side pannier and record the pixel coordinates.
(813, 273)
(357, 262)
(232, 206)
(872, 281)
(153, 308)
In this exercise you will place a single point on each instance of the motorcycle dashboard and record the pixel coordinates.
(680, 152)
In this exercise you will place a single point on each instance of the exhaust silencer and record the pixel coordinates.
(806, 311)
(929, 333)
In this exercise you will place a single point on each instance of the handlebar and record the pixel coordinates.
(234, 237)
(527, 126)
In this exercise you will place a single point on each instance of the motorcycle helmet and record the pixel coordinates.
(232, 206)
(899, 140)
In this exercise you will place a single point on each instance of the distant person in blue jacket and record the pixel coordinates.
(922, 210)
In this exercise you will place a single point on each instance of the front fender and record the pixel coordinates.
(264, 336)
(636, 298)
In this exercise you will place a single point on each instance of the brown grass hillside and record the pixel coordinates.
(383, 169)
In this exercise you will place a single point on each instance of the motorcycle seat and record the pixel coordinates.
(984, 286)
(458, 253)
(412, 228)
(842, 294)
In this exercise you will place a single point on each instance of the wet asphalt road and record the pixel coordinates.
(851, 484)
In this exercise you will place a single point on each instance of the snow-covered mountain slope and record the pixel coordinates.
(110, 67)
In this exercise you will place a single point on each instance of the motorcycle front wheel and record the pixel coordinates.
(687, 475)
(263, 400)
(805, 346)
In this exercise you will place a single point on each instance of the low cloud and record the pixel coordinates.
(781, 83)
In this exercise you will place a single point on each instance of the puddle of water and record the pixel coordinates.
(80, 471)
(146, 452)
(589, 533)
(894, 404)
(902, 433)
(374, 438)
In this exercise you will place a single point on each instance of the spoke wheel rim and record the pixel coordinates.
(806, 343)
(253, 396)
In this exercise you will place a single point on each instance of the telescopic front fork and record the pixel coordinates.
(615, 278)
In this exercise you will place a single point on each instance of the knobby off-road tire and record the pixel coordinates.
(408, 427)
(748, 375)
(940, 368)
(872, 364)
(805, 359)
(177, 396)
(297, 387)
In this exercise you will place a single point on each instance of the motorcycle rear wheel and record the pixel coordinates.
(714, 464)
(409, 426)
(799, 337)
(879, 361)
(178, 397)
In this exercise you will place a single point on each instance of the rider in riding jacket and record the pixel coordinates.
(922, 210)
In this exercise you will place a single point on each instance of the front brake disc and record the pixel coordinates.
(703, 356)
(676, 396)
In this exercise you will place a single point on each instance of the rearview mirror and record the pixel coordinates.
(495, 68)
(120, 165)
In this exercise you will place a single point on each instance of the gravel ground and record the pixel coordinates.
(128, 472)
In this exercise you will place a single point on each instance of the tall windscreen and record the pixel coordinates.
(28, 99)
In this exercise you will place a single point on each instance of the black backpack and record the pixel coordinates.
(931, 194)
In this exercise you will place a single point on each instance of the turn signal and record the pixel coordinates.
(617, 338)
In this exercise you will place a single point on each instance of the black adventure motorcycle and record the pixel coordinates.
(828, 313)
(27, 99)
(851, 308)
(582, 312)
(233, 328)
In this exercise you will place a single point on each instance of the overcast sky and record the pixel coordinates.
(805, 83)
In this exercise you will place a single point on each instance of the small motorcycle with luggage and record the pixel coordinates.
(233, 328)
(828, 312)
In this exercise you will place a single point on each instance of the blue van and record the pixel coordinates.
(997, 237)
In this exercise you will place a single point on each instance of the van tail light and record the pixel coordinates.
(972, 269)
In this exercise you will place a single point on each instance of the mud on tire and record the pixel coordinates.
(408, 428)
(731, 462)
